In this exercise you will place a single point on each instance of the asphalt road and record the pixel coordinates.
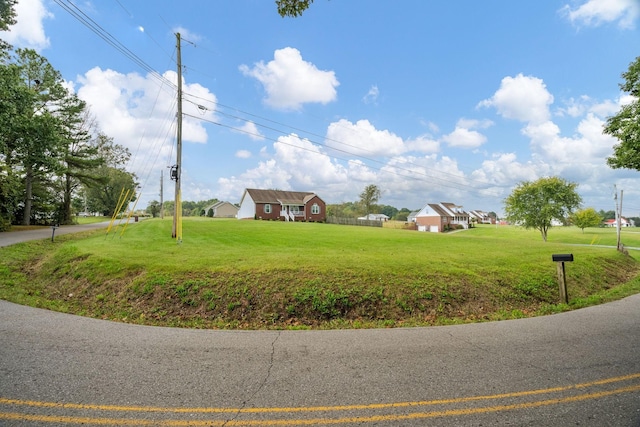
(13, 237)
(578, 368)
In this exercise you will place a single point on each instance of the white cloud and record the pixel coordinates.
(290, 82)
(500, 173)
(410, 180)
(416, 180)
(250, 129)
(579, 158)
(139, 113)
(586, 151)
(605, 109)
(308, 162)
(29, 30)
(464, 136)
(372, 96)
(243, 154)
(523, 98)
(186, 35)
(423, 144)
(363, 139)
(295, 164)
(574, 107)
(593, 13)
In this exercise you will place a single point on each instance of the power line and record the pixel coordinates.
(76, 12)
(105, 35)
(411, 174)
(330, 147)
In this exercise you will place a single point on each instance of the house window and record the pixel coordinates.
(315, 209)
(295, 209)
(267, 208)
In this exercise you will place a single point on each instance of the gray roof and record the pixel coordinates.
(279, 196)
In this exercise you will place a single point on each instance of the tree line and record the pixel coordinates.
(54, 160)
(189, 208)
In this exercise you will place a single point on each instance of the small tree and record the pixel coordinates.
(153, 208)
(369, 197)
(536, 204)
(586, 218)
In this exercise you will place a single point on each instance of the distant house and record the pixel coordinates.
(375, 217)
(439, 217)
(221, 210)
(282, 205)
(624, 222)
(481, 217)
(412, 216)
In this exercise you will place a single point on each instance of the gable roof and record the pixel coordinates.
(442, 209)
(623, 220)
(218, 204)
(279, 196)
(478, 214)
(452, 209)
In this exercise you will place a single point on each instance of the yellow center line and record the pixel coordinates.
(315, 421)
(392, 405)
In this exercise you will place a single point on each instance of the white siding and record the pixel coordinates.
(426, 211)
(247, 207)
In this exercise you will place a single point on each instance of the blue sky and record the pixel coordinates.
(431, 101)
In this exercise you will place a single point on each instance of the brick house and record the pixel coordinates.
(439, 217)
(282, 205)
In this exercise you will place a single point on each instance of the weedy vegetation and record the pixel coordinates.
(275, 275)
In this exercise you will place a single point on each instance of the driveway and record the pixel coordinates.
(12, 237)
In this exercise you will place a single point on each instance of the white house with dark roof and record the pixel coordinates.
(481, 217)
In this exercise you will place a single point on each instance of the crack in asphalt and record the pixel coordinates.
(262, 383)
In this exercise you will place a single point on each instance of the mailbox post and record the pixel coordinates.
(560, 259)
(53, 231)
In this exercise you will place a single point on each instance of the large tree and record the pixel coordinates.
(7, 19)
(118, 186)
(625, 125)
(536, 204)
(81, 157)
(114, 180)
(34, 140)
(15, 102)
(369, 197)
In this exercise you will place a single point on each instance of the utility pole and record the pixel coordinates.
(620, 245)
(161, 194)
(178, 170)
(618, 216)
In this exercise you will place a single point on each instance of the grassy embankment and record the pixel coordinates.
(259, 274)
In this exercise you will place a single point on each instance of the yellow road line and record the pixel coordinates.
(315, 421)
(119, 408)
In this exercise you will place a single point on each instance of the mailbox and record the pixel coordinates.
(562, 257)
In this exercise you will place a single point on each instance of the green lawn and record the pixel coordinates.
(91, 219)
(264, 274)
